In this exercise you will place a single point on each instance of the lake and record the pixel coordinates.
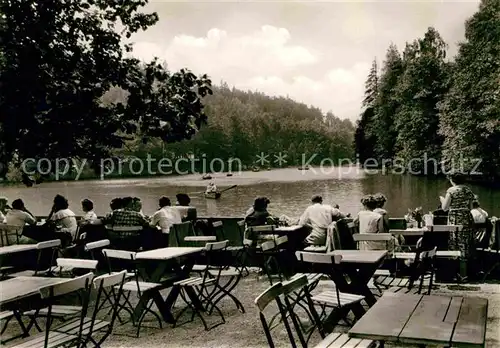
(289, 190)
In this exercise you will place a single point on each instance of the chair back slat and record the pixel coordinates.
(318, 257)
(262, 228)
(109, 280)
(127, 228)
(268, 296)
(269, 245)
(72, 285)
(429, 254)
(216, 245)
(294, 284)
(281, 240)
(217, 224)
(77, 263)
(366, 237)
(445, 228)
(119, 254)
(48, 244)
(98, 244)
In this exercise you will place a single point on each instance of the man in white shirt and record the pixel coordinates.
(19, 216)
(318, 216)
(166, 216)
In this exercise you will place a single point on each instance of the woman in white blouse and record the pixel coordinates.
(63, 218)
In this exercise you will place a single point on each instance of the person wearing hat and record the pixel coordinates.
(318, 217)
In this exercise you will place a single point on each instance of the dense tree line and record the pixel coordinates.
(242, 124)
(422, 106)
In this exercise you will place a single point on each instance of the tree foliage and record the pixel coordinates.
(386, 105)
(404, 122)
(470, 112)
(420, 88)
(58, 60)
(447, 110)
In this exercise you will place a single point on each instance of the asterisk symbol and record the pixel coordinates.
(280, 158)
(262, 159)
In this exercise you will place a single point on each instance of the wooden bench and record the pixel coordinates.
(338, 340)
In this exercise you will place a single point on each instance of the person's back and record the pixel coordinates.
(318, 216)
(166, 216)
(18, 215)
(478, 213)
(259, 215)
(127, 216)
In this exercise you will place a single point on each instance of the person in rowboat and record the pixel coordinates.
(211, 188)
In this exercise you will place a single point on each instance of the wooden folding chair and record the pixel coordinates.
(340, 302)
(61, 312)
(272, 295)
(198, 238)
(42, 248)
(126, 237)
(92, 325)
(206, 287)
(133, 286)
(271, 253)
(423, 272)
(51, 294)
(242, 255)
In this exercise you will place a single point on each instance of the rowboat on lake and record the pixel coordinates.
(212, 195)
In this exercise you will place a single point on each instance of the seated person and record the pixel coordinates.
(380, 202)
(137, 205)
(88, 209)
(258, 214)
(166, 216)
(369, 221)
(63, 219)
(319, 216)
(127, 216)
(187, 212)
(3, 208)
(114, 205)
(20, 216)
(480, 215)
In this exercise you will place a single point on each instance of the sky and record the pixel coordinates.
(318, 53)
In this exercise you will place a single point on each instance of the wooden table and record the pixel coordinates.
(18, 288)
(17, 248)
(166, 259)
(452, 321)
(360, 266)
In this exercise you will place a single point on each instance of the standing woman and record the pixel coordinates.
(458, 202)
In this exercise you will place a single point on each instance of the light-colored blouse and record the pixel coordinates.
(65, 221)
(370, 222)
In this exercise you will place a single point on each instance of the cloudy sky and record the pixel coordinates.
(315, 52)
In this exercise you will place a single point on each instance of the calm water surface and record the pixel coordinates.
(288, 189)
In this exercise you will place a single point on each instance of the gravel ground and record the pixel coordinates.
(244, 330)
